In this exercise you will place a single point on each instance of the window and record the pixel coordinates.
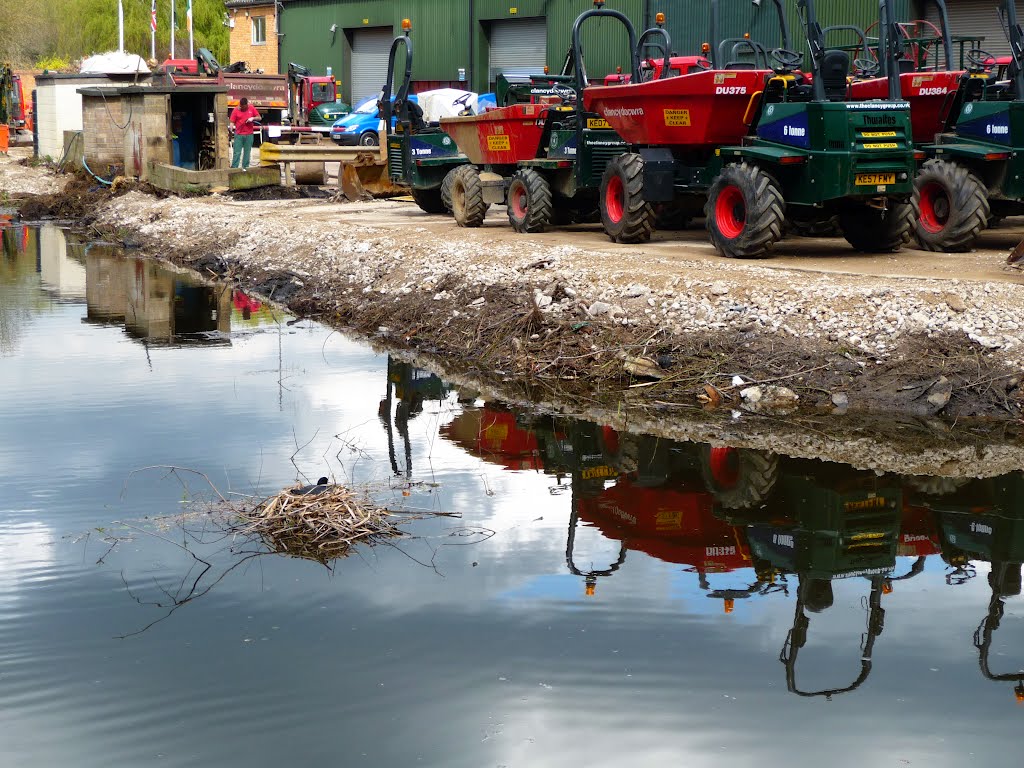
(323, 92)
(259, 30)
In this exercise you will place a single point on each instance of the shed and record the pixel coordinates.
(129, 129)
(59, 108)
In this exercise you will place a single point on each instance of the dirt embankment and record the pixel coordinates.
(567, 313)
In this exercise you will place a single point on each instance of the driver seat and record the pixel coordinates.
(835, 69)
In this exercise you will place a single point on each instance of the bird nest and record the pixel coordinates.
(317, 526)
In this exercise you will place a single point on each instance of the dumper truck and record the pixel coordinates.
(290, 105)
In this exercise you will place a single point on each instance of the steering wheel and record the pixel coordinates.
(785, 58)
(866, 67)
(704, 63)
(980, 59)
(463, 100)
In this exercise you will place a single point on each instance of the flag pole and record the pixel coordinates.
(173, 22)
(191, 51)
(120, 26)
(152, 31)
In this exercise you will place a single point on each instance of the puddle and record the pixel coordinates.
(600, 596)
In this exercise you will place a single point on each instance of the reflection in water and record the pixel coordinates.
(641, 601)
(718, 510)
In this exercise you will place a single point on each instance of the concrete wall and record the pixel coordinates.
(132, 132)
(264, 56)
(60, 109)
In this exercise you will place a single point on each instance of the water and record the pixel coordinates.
(604, 598)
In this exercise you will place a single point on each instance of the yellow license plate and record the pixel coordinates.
(873, 179)
(882, 145)
(597, 123)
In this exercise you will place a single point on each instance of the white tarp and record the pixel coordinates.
(445, 102)
(114, 63)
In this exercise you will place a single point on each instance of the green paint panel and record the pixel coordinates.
(446, 38)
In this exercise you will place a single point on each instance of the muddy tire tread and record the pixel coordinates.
(765, 207)
(429, 200)
(474, 209)
(867, 232)
(970, 212)
(446, 190)
(758, 473)
(539, 210)
(637, 224)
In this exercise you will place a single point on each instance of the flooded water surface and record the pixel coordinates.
(592, 597)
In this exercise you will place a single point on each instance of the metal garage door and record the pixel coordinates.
(976, 17)
(518, 46)
(370, 49)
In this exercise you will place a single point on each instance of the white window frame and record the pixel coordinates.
(256, 26)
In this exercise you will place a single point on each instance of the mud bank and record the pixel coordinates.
(566, 315)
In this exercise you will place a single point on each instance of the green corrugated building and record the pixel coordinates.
(462, 43)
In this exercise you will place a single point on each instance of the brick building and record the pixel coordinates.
(254, 33)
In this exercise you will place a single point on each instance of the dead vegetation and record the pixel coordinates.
(321, 526)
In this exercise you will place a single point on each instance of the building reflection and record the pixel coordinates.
(153, 302)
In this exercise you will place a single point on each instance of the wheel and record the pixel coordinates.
(744, 212)
(950, 207)
(626, 216)
(468, 206)
(873, 230)
(529, 201)
(827, 226)
(446, 190)
(369, 139)
(738, 478)
(669, 217)
(429, 200)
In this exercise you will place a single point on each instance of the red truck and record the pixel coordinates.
(289, 105)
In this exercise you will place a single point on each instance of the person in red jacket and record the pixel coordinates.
(243, 122)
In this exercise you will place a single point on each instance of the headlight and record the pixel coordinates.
(351, 127)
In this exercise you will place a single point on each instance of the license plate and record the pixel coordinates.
(597, 123)
(872, 179)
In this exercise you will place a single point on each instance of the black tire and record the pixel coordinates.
(827, 226)
(738, 478)
(951, 207)
(468, 206)
(626, 216)
(369, 139)
(871, 230)
(429, 200)
(529, 201)
(669, 217)
(745, 212)
(446, 190)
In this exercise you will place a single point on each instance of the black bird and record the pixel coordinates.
(312, 490)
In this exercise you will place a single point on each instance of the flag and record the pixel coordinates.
(188, 16)
(152, 16)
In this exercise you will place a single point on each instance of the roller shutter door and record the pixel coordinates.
(976, 17)
(518, 46)
(370, 50)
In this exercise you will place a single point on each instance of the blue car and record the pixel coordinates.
(361, 126)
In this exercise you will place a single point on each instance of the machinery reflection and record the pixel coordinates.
(983, 521)
(776, 522)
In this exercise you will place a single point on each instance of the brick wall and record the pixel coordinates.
(103, 128)
(263, 56)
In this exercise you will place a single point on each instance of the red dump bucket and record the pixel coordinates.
(703, 109)
(501, 136)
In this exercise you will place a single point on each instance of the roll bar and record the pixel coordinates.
(590, 577)
(664, 45)
(577, 43)
(1015, 34)
(983, 634)
(385, 108)
(718, 43)
(798, 636)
